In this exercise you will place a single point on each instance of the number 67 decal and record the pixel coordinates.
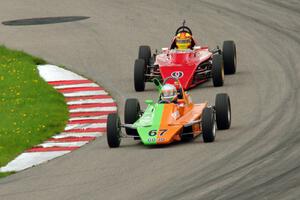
(161, 132)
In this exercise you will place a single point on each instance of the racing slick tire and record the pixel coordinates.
(113, 130)
(208, 125)
(223, 111)
(131, 114)
(229, 57)
(139, 75)
(145, 53)
(217, 70)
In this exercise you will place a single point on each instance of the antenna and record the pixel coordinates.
(183, 23)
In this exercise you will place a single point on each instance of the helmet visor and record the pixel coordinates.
(183, 41)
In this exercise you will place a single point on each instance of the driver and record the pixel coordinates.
(169, 93)
(183, 41)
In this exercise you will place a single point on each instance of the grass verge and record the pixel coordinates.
(30, 110)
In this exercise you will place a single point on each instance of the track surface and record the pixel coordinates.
(257, 159)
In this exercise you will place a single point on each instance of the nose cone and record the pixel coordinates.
(149, 123)
(162, 129)
(184, 73)
(148, 135)
(162, 135)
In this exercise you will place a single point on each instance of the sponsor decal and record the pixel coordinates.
(177, 74)
(175, 115)
(146, 119)
(151, 139)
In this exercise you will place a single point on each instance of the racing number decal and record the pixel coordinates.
(152, 133)
(161, 132)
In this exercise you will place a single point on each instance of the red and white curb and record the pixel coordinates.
(88, 104)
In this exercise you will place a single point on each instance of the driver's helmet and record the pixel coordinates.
(183, 40)
(168, 93)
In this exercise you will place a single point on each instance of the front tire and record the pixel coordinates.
(132, 114)
(145, 53)
(208, 125)
(229, 57)
(217, 70)
(223, 111)
(139, 75)
(113, 130)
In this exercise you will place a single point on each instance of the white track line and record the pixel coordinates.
(96, 109)
(85, 126)
(55, 73)
(63, 144)
(84, 118)
(66, 135)
(85, 93)
(76, 85)
(26, 160)
(86, 101)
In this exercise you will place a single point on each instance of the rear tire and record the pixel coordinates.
(229, 57)
(131, 115)
(217, 70)
(113, 130)
(139, 75)
(208, 125)
(223, 111)
(145, 53)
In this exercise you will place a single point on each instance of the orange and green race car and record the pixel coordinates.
(166, 122)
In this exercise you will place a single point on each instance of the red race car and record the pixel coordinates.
(186, 61)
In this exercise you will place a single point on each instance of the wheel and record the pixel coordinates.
(208, 125)
(131, 115)
(139, 75)
(223, 111)
(229, 57)
(218, 70)
(145, 53)
(113, 130)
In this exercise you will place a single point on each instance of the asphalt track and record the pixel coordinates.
(257, 159)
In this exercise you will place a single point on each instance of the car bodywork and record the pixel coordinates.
(190, 67)
(165, 123)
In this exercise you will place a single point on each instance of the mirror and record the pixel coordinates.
(165, 49)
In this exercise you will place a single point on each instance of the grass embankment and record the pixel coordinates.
(30, 110)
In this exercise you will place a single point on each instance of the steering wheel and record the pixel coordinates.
(170, 77)
(183, 29)
(163, 101)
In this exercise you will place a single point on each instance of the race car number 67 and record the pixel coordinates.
(154, 132)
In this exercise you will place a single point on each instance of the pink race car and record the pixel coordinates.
(186, 61)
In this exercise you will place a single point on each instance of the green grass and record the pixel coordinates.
(3, 174)
(30, 110)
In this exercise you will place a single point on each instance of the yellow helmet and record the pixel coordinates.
(183, 40)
